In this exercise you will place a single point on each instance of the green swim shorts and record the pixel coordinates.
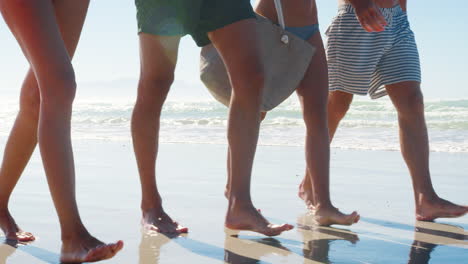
(193, 17)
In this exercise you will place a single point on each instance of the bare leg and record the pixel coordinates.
(18, 150)
(238, 47)
(35, 26)
(313, 95)
(408, 100)
(338, 105)
(228, 187)
(23, 137)
(158, 60)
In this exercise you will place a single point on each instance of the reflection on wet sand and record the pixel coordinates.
(7, 249)
(318, 240)
(433, 243)
(251, 251)
(439, 234)
(150, 247)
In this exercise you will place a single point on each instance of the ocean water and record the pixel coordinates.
(369, 125)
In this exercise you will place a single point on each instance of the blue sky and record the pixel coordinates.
(108, 55)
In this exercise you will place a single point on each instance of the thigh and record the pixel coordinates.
(353, 54)
(70, 15)
(238, 46)
(405, 95)
(158, 56)
(35, 27)
(401, 64)
(313, 89)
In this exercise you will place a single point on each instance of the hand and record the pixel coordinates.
(369, 15)
(403, 4)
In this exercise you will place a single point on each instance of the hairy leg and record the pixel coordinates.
(237, 44)
(35, 26)
(313, 95)
(408, 100)
(23, 137)
(158, 61)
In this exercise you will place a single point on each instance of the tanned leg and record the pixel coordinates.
(35, 26)
(237, 45)
(313, 95)
(408, 100)
(18, 150)
(338, 105)
(23, 136)
(228, 187)
(158, 61)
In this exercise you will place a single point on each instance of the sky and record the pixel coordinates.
(107, 60)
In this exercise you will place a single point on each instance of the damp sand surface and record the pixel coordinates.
(192, 178)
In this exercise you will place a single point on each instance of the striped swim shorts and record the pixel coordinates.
(362, 62)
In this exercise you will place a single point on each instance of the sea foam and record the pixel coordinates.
(370, 125)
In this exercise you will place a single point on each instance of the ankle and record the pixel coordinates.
(76, 234)
(151, 212)
(240, 203)
(151, 204)
(324, 206)
(426, 198)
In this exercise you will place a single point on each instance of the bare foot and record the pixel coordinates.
(428, 210)
(306, 195)
(332, 216)
(251, 220)
(11, 229)
(157, 220)
(87, 249)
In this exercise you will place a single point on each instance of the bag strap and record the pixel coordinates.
(279, 12)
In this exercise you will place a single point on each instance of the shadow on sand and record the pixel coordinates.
(9, 247)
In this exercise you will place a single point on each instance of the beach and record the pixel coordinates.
(192, 178)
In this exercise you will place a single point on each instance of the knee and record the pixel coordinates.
(248, 92)
(316, 120)
(152, 91)
(58, 89)
(411, 105)
(339, 104)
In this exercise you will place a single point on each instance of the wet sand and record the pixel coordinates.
(192, 178)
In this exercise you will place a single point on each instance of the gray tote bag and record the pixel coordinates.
(285, 58)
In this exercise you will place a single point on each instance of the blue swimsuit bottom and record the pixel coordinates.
(304, 32)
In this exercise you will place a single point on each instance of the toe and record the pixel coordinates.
(275, 230)
(119, 245)
(182, 229)
(25, 237)
(354, 217)
(101, 253)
